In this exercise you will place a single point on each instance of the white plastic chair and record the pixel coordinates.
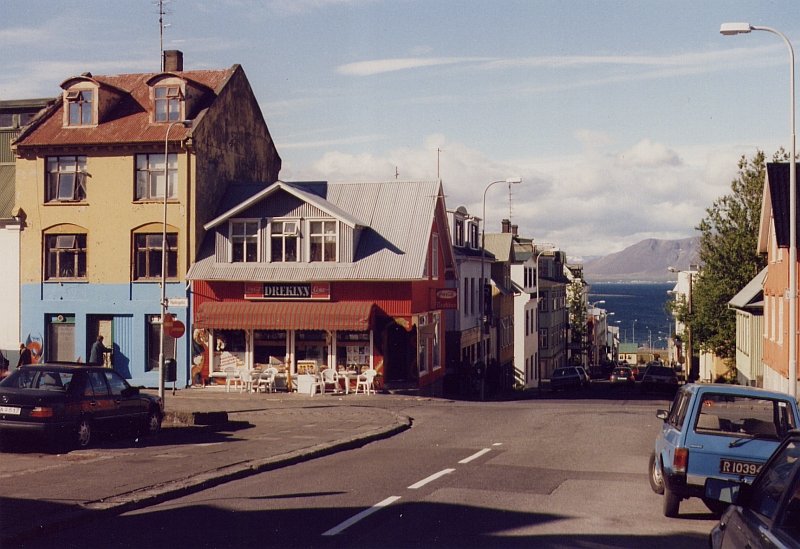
(365, 382)
(232, 377)
(329, 378)
(266, 380)
(246, 377)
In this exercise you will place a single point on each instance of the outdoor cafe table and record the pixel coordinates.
(348, 376)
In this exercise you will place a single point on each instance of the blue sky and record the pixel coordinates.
(625, 119)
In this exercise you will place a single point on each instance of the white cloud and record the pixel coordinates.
(379, 66)
(585, 203)
(646, 153)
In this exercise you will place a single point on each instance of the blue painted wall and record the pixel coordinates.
(129, 304)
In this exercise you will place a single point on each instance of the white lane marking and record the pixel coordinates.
(476, 455)
(497, 444)
(431, 478)
(363, 514)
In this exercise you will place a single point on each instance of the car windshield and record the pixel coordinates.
(26, 378)
(746, 417)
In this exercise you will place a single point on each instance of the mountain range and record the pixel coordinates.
(646, 261)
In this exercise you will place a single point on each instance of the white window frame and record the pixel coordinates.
(291, 229)
(239, 234)
(172, 97)
(323, 237)
(87, 107)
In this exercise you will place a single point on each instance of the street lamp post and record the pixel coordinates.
(482, 300)
(164, 247)
(744, 28)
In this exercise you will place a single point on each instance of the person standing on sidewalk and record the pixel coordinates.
(97, 352)
(25, 355)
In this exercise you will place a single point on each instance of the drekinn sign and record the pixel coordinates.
(282, 291)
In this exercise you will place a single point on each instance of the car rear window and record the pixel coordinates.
(25, 378)
(659, 371)
(744, 416)
(561, 372)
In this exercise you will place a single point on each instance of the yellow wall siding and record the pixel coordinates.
(109, 216)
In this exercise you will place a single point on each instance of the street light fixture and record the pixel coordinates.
(484, 318)
(164, 248)
(729, 29)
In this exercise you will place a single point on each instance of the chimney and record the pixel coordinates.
(173, 61)
(515, 230)
(506, 224)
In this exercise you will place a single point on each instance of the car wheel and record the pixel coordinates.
(83, 433)
(672, 503)
(152, 424)
(656, 478)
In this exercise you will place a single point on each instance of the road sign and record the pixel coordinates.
(177, 329)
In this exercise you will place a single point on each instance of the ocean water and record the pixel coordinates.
(639, 309)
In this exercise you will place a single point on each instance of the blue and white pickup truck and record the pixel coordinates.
(716, 431)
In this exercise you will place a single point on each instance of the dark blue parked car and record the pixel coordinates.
(716, 431)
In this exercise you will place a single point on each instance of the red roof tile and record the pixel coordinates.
(129, 122)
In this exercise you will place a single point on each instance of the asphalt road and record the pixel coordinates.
(549, 472)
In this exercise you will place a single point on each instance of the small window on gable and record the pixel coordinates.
(284, 241)
(168, 103)
(80, 107)
(244, 240)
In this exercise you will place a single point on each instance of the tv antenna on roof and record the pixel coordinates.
(162, 11)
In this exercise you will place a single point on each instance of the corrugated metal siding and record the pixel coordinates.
(7, 190)
(6, 137)
(221, 245)
(123, 333)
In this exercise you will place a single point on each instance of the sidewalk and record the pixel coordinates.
(209, 437)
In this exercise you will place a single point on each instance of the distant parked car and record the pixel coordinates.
(659, 378)
(716, 431)
(586, 380)
(766, 514)
(622, 374)
(567, 377)
(68, 403)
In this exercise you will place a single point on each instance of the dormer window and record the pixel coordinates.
(459, 232)
(244, 241)
(80, 107)
(168, 103)
(322, 241)
(284, 241)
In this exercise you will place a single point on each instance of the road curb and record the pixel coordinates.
(159, 493)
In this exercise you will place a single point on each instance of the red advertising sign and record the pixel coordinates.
(446, 298)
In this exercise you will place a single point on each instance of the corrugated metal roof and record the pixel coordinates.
(751, 295)
(398, 216)
(129, 120)
(499, 244)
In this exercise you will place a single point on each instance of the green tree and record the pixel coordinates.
(729, 259)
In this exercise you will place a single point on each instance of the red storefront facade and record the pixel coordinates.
(378, 306)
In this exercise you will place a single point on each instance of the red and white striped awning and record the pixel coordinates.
(283, 315)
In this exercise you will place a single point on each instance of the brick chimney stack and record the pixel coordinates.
(515, 230)
(506, 224)
(173, 61)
